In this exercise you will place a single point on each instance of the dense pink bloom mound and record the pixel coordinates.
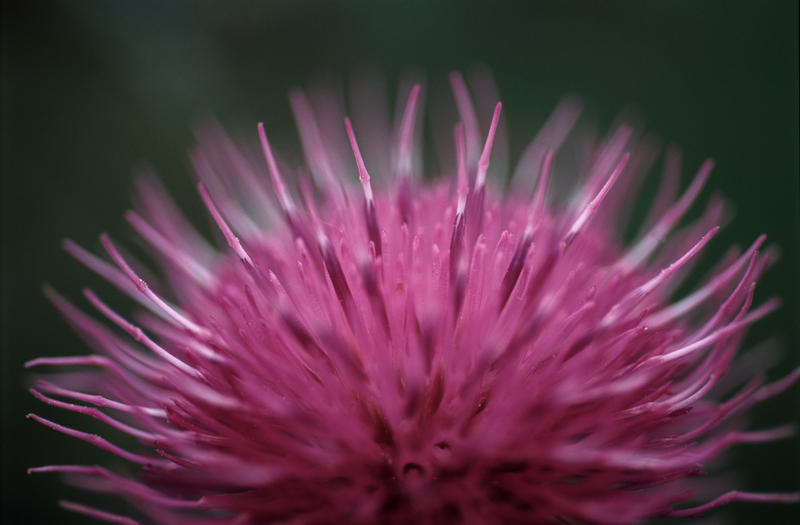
(438, 351)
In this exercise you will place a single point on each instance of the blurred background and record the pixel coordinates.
(92, 89)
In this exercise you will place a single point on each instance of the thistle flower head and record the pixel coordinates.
(415, 348)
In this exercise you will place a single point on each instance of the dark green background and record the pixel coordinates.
(90, 89)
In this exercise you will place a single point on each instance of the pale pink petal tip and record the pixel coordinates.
(102, 515)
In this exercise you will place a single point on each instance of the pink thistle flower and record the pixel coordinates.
(417, 350)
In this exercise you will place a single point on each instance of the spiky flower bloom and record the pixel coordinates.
(433, 351)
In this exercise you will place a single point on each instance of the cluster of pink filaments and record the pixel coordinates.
(430, 352)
